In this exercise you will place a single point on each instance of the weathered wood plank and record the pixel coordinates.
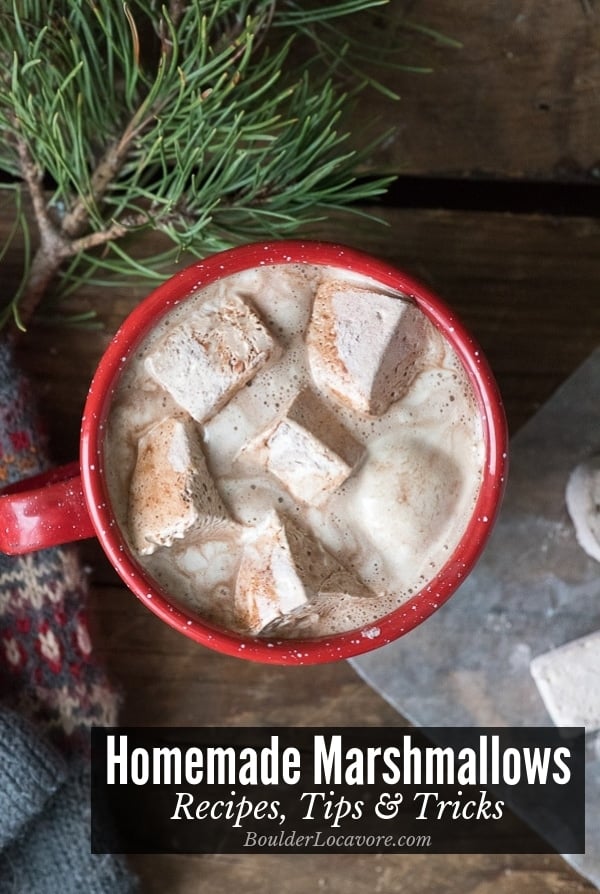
(413, 874)
(518, 98)
(526, 286)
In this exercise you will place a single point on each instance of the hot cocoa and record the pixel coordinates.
(293, 451)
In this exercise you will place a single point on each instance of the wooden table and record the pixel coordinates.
(517, 104)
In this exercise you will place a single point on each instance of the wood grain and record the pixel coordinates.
(526, 286)
(528, 289)
(517, 98)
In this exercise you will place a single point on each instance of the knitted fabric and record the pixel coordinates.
(47, 671)
(30, 774)
(52, 691)
(44, 820)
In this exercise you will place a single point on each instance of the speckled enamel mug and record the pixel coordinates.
(71, 502)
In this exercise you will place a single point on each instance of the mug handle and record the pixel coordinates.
(45, 510)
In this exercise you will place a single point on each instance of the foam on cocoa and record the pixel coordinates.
(394, 466)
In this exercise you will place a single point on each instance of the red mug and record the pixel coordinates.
(71, 502)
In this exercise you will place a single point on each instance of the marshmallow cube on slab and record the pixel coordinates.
(363, 346)
(309, 450)
(171, 490)
(203, 361)
(583, 502)
(568, 680)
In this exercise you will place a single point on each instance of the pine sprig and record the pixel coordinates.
(189, 120)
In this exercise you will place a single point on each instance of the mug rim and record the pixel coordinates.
(339, 646)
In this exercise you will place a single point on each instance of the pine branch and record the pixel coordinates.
(53, 248)
(60, 242)
(186, 120)
(107, 169)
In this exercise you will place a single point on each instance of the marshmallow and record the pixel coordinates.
(205, 359)
(171, 489)
(567, 680)
(583, 502)
(267, 584)
(321, 572)
(308, 450)
(364, 346)
(333, 590)
(286, 573)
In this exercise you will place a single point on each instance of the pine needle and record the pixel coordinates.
(118, 119)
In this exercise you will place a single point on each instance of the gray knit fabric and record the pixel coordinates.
(45, 821)
(30, 773)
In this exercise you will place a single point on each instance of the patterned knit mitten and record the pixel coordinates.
(47, 671)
